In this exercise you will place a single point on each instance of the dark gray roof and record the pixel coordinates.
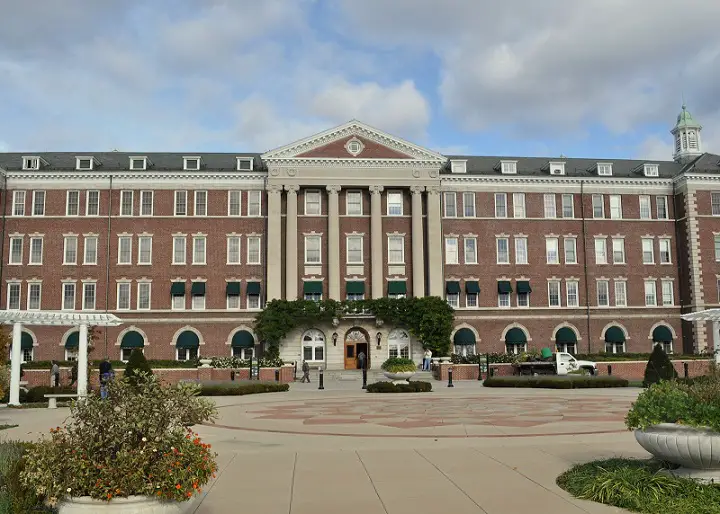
(706, 163)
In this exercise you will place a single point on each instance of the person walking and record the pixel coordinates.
(106, 374)
(361, 360)
(54, 374)
(427, 360)
(306, 372)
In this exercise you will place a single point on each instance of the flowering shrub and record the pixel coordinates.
(229, 362)
(135, 442)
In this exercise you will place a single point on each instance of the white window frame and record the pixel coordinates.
(453, 300)
(504, 300)
(197, 302)
(230, 211)
(199, 204)
(249, 160)
(124, 286)
(177, 302)
(393, 204)
(31, 285)
(11, 286)
(568, 200)
(552, 250)
(616, 211)
(394, 240)
(124, 194)
(127, 261)
(650, 293)
(519, 208)
(143, 196)
(18, 203)
(551, 284)
(177, 196)
(134, 160)
(234, 258)
(89, 286)
(354, 240)
(501, 205)
(570, 243)
(618, 246)
(604, 169)
(140, 285)
(176, 239)
(352, 207)
(30, 163)
(549, 206)
(63, 306)
(651, 170)
(508, 167)
(600, 250)
(645, 207)
(507, 250)
(188, 161)
(715, 203)
(471, 300)
(313, 207)
(469, 201)
(447, 212)
(598, 289)
(31, 260)
(68, 194)
(598, 206)
(251, 241)
(452, 256)
(661, 201)
(145, 239)
(66, 240)
(650, 243)
(87, 202)
(232, 302)
(253, 302)
(620, 287)
(521, 250)
(667, 291)
(312, 240)
(470, 253)
(79, 161)
(572, 300)
(522, 300)
(252, 205)
(196, 242)
(43, 195)
(665, 259)
(16, 241)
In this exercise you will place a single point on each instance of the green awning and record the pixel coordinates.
(397, 287)
(73, 340)
(464, 337)
(452, 287)
(26, 341)
(504, 287)
(515, 336)
(188, 339)
(132, 339)
(177, 289)
(472, 287)
(197, 289)
(232, 289)
(523, 286)
(565, 335)
(614, 335)
(355, 287)
(662, 334)
(253, 288)
(242, 339)
(313, 287)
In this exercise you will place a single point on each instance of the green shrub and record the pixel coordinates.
(14, 496)
(242, 389)
(551, 382)
(137, 365)
(658, 367)
(399, 365)
(37, 394)
(415, 386)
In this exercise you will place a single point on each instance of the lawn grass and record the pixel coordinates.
(638, 486)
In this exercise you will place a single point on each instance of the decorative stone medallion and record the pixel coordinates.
(354, 146)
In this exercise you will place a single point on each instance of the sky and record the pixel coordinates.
(596, 78)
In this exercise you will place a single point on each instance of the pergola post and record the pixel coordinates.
(716, 341)
(16, 360)
(82, 378)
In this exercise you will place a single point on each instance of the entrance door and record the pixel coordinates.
(356, 341)
(350, 355)
(363, 348)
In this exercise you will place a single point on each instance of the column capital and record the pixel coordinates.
(376, 190)
(274, 188)
(433, 190)
(417, 190)
(292, 189)
(333, 189)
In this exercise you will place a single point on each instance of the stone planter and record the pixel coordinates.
(205, 363)
(129, 505)
(695, 450)
(399, 377)
(444, 360)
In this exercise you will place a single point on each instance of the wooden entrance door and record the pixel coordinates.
(356, 341)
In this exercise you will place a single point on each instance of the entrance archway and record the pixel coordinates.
(357, 341)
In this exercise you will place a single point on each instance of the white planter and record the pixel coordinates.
(444, 360)
(205, 363)
(401, 377)
(695, 450)
(129, 505)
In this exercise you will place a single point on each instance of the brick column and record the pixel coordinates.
(376, 241)
(333, 242)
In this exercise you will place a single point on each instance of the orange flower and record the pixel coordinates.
(189, 494)
(178, 486)
(109, 496)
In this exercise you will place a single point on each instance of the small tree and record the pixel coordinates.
(658, 367)
(137, 364)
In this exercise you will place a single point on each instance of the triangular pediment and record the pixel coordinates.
(353, 140)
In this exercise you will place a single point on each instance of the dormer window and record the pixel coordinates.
(191, 163)
(31, 163)
(604, 169)
(85, 163)
(508, 167)
(138, 163)
(557, 168)
(458, 166)
(244, 163)
(651, 170)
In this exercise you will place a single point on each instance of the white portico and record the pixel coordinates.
(53, 318)
(708, 315)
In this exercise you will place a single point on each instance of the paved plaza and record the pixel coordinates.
(462, 450)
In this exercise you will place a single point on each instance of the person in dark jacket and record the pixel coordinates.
(106, 374)
(306, 373)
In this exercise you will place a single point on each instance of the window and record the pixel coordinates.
(146, 203)
(243, 353)
(568, 207)
(521, 250)
(503, 299)
(313, 248)
(615, 207)
(38, 203)
(232, 301)
(16, 250)
(143, 296)
(661, 207)
(451, 250)
(254, 203)
(668, 295)
(187, 354)
(253, 301)
(598, 204)
(253, 250)
(72, 203)
(570, 244)
(648, 251)
(198, 302)
(618, 248)
(123, 296)
(471, 300)
(313, 346)
(650, 293)
(620, 293)
(453, 300)
(717, 248)
(84, 163)
(500, 205)
(551, 250)
(600, 251)
(126, 203)
(70, 250)
(68, 303)
(665, 251)
(519, 210)
(469, 205)
(125, 250)
(604, 169)
(191, 163)
(603, 293)
(234, 203)
(715, 201)
(125, 353)
(396, 250)
(550, 206)
(312, 203)
(645, 209)
(572, 293)
(92, 207)
(233, 250)
(394, 204)
(614, 347)
(450, 201)
(145, 250)
(31, 163)
(34, 296)
(89, 294)
(523, 299)
(471, 256)
(36, 250)
(138, 163)
(13, 299)
(18, 203)
(180, 203)
(554, 293)
(199, 245)
(651, 170)
(508, 167)
(503, 251)
(245, 163)
(201, 198)
(354, 249)
(353, 203)
(178, 302)
(179, 250)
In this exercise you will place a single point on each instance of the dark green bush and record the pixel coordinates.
(549, 382)
(416, 386)
(658, 367)
(242, 389)
(14, 497)
(37, 394)
(137, 364)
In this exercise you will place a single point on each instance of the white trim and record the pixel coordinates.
(143, 159)
(195, 202)
(175, 202)
(565, 324)
(238, 160)
(395, 236)
(347, 249)
(515, 325)
(173, 340)
(141, 237)
(229, 195)
(314, 237)
(34, 198)
(143, 192)
(87, 202)
(393, 192)
(186, 162)
(123, 194)
(137, 299)
(67, 202)
(92, 163)
(56, 318)
(247, 248)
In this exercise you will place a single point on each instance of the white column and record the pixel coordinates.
(274, 242)
(333, 242)
(716, 341)
(16, 360)
(376, 241)
(418, 255)
(435, 265)
(82, 362)
(291, 248)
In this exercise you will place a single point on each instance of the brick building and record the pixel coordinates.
(590, 255)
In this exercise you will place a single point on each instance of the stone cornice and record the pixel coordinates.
(519, 179)
(145, 175)
(325, 162)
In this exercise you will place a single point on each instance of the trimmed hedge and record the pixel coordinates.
(37, 394)
(242, 389)
(547, 382)
(155, 364)
(416, 386)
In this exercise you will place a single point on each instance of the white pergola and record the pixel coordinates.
(82, 320)
(708, 315)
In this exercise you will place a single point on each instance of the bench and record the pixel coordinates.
(23, 384)
(52, 399)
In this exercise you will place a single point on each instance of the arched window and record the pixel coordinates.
(515, 341)
(243, 345)
(399, 344)
(71, 346)
(662, 335)
(187, 346)
(614, 340)
(130, 341)
(26, 348)
(566, 340)
(313, 344)
(464, 342)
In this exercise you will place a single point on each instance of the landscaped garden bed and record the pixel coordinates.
(554, 382)
(408, 387)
